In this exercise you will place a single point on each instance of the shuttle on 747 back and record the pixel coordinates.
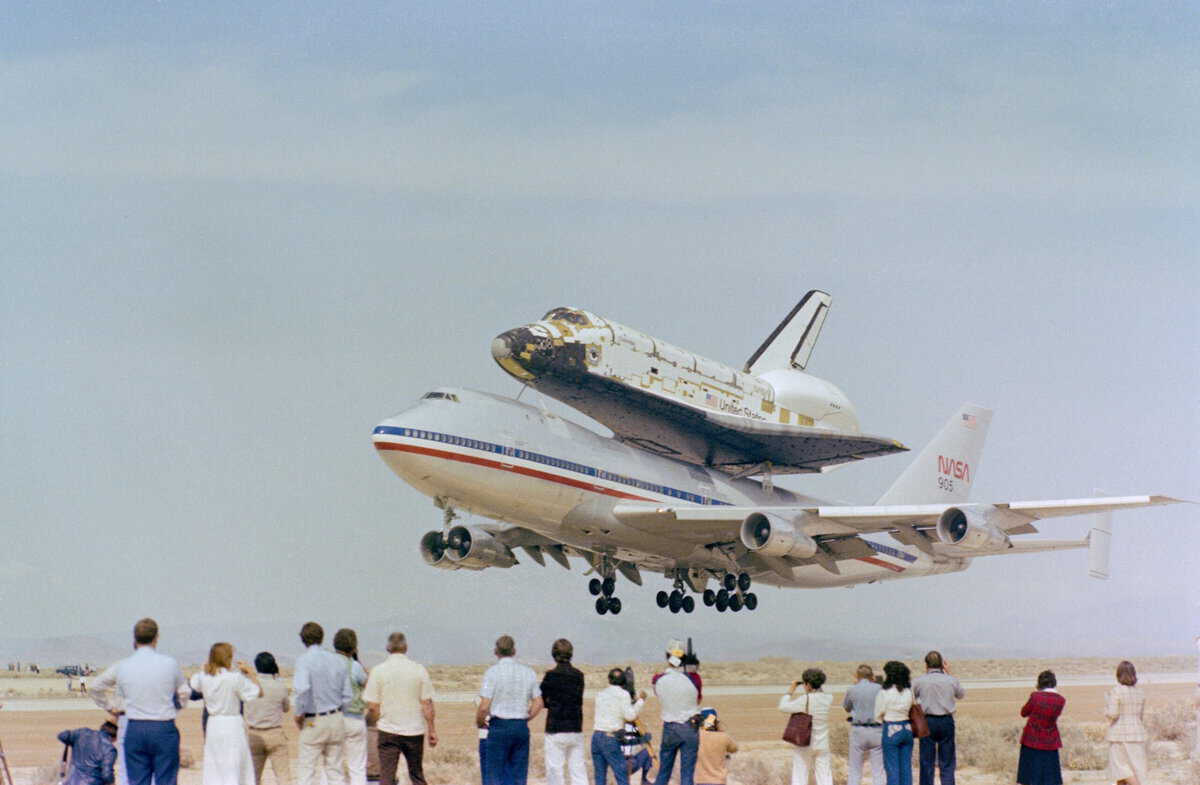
(684, 486)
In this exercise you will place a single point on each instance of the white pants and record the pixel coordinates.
(356, 749)
(568, 748)
(863, 742)
(322, 748)
(806, 759)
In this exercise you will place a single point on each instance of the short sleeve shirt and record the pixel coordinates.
(398, 685)
(510, 686)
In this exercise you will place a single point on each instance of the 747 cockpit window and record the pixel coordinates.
(440, 395)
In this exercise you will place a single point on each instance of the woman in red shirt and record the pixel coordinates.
(1040, 742)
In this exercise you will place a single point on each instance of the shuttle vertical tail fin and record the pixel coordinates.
(945, 469)
(792, 342)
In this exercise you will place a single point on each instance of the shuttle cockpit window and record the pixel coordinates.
(435, 395)
(566, 315)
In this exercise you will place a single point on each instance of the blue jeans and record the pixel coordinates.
(483, 761)
(152, 752)
(678, 737)
(897, 752)
(507, 752)
(938, 747)
(606, 754)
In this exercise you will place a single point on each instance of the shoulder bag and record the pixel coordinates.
(799, 727)
(916, 716)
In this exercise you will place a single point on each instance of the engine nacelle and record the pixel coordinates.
(776, 537)
(433, 551)
(475, 549)
(971, 529)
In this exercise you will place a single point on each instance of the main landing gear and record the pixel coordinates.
(676, 600)
(602, 589)
(733, 595)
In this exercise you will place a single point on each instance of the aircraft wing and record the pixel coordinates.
(723, 522)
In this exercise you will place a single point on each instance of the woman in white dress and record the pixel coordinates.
(815, 757)
(1127, 738)
(226, 751)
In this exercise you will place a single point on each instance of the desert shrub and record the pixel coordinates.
(1174, 721)
(1084, 747)
(988, 746)
(43, 775)
(749, 770)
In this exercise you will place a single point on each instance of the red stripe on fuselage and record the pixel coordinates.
(881, 563)
(491, 464)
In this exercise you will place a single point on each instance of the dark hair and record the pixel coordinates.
(1126, 673)
(346, 641)
(616, 677)
(865, 672)
(1047, 679)
(813, 677)
(311, 633)
(505, 646)
(397, 643)
(690, 659)
(145, 631)
(896, 675)
(933, 659)
(109, 727)
(264, 662)
(562, 650)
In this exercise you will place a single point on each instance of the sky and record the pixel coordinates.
(235, 238)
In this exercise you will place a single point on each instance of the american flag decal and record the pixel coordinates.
(969, 420)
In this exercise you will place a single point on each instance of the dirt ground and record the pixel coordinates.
(29, 736)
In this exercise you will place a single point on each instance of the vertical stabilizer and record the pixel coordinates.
(946, 468)
(1099, 543)
(792, 342)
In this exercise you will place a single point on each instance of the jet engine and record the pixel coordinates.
(433, 551)
(776, 537)
(971, 529)
(474, 549)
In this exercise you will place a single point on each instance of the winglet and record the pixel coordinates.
(1099, 541)
(791, 343)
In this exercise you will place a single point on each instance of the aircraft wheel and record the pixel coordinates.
(594, 586)
(689, 604)
(676, 601)
(601, 605)
(721, 603)
(663, 599)
(743, 581)
(608, 586)
(735, 603)
(729, 581)
(751, 601)
(614, 605)
(709, 597)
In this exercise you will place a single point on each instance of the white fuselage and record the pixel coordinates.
(502, 459)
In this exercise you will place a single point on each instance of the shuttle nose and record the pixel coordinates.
(507, 348)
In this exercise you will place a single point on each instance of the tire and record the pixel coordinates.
(608, 586)
(729, 582)
(743, 581)
(709, 597)
(735, 603)
(722, 603)
(614, 605)
(689, 604)
(594, 586)
(662, 598)
(751, 601)
(676, 601)
(723, 596)
(601, 605)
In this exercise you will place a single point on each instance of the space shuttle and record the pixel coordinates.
(768, 417)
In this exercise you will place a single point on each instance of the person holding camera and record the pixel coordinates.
(815, 757)
(679, 696)
(614, 707)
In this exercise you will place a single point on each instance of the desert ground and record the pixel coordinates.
(745, 695)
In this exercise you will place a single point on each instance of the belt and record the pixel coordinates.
(865, 724)
(322, 713)
(927, 714)
(272, 727)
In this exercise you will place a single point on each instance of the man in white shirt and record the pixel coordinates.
(399, 698)
(680, 701)
(510, 698)
(322, 685)
(614, 707)
(148, 689)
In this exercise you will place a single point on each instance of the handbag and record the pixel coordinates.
(916, 716)
(799, 727)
